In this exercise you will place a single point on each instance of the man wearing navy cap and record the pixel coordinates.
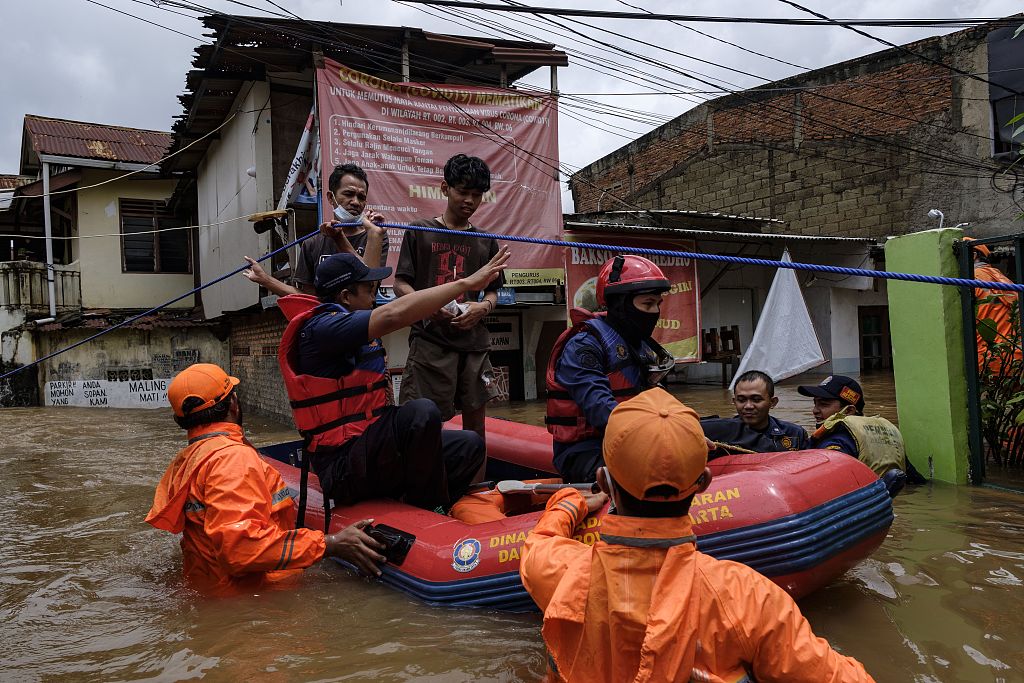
(334, 369)
(841, 426)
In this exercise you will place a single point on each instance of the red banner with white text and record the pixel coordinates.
(402, 134)
(679, 327)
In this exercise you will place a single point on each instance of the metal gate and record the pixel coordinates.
(994, 360)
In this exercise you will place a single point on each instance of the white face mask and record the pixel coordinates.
(344, 216)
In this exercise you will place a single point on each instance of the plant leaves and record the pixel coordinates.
(987, 329)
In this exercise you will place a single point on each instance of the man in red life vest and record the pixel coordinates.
(332, 360)
(643, 604)
(235, 513)
(604, 359)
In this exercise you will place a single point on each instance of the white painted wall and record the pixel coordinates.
(534, 318)
(226, 192)
(845, 327)
(104, 285)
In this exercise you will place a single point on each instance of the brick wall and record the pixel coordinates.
(254, 342)
(865, 153)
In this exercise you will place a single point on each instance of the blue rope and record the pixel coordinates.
(642, 251)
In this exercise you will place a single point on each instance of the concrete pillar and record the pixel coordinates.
(928, 355)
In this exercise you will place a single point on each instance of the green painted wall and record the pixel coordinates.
(928, 354)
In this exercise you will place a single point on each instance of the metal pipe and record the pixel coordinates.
(48, 228)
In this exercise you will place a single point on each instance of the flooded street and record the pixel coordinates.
(90, 592)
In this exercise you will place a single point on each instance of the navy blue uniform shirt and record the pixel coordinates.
(331, 342)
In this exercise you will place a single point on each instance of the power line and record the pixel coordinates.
(604, 14)
(962, 161)
(851, 26)
(505, 142)
(841, 160)
(122, 234)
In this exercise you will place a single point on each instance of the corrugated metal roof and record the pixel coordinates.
(60, 137)
(710, 235)
(687, 213)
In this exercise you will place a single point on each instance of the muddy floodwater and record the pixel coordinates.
(90, 592)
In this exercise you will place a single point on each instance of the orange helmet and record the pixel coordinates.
(624, 274)
(980, 248)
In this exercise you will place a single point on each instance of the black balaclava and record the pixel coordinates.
(633, 324)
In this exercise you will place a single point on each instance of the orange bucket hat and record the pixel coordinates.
(654, 440)
(204, 381)
(980, 248)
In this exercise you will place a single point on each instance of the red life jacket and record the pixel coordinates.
(328, 412)
(565, 419)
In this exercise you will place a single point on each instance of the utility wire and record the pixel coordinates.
(122, 234)
(786, 113)
(851, 26)
(604, 14)
(720, 258)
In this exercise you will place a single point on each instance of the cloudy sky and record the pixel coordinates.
(78, 60)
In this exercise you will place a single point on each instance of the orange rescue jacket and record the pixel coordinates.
(644, 605)
(999, 310)
(235, 514)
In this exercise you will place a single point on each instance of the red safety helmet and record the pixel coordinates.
(624, 274)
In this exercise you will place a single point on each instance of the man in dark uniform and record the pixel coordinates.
(602, 360)
(753, 428)
(841, 426)
(332, 361)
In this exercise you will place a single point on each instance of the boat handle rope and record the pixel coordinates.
(640, 251)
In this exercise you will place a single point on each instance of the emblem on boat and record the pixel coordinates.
(466, 555)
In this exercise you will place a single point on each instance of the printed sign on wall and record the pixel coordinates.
(679, 326)
(101, 393)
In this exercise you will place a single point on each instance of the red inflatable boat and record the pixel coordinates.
(800, 518)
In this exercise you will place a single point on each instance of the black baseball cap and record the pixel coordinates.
(837, 387)
(338, 270)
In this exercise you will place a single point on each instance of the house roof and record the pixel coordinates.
(246, 49)
(709, 226)
(64, 139)
(9, 181)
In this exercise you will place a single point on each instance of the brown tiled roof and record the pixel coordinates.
(60, 137)
(9, 181)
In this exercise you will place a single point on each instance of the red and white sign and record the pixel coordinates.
(679, 327)
(402, 134)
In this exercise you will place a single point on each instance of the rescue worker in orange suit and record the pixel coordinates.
(334, 369)
(996, 305)
(643, 604)
(603, 359)
(235, 513)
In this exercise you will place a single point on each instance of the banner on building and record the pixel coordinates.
(101, 393)
(402, 134)
(679, 327)
(300, 185)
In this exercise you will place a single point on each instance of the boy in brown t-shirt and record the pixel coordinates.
(448, 360)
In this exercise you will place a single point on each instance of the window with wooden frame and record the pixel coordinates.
(146, 251)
